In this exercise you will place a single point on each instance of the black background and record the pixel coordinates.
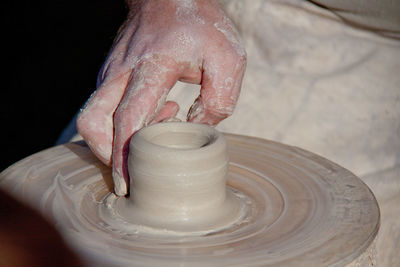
(52, 53)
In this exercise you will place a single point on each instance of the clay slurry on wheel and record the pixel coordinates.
(302, 210)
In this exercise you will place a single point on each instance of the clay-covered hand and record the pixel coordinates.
(160, 43)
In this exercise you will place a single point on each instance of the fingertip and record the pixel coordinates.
(199, 113)
(120, 185)
(120, 164)
(168, 111)
(172, 105)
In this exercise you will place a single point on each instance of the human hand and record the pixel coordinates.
(160, 43)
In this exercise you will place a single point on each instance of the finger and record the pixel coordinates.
(145, 95)
(169, 110)
(220, 88)
(95, 121)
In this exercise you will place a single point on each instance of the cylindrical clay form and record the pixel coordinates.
(178, 178)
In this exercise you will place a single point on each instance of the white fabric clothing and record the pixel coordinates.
(315, 82)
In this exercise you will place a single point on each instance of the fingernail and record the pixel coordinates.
(120, 187)
(195, 111)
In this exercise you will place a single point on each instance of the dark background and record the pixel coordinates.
(53, 52)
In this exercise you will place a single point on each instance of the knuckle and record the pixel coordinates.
(81, 121)
(240, 58)
(221, 110)
(233, 57)
(83, 125)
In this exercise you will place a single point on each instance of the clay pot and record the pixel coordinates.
(178, 177)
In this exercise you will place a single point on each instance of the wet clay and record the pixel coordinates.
(300, 210)
(178, 182)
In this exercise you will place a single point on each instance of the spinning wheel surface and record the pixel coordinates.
(302, 210)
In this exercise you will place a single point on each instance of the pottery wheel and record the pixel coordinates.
(303, 210)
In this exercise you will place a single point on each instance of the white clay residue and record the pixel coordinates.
(227, 28)
(295, 208)
(186, 12)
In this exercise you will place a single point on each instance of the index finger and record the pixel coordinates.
(145, 95)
